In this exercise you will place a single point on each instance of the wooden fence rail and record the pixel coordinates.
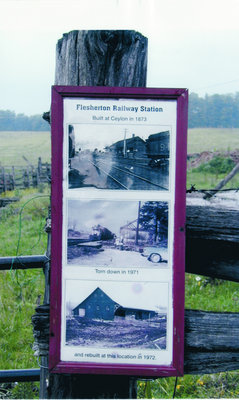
(18, 177)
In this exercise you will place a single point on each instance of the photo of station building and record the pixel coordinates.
(131, 147)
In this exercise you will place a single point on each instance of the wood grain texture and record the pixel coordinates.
(213, 223)
(213, 258)
(211, 342)
(212, 236)
(101, 58)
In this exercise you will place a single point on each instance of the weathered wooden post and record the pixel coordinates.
(101, 58)
(4, 180)
(39, 168)
(13, 178)
(25, 179)
(28, 177)
(96, 58)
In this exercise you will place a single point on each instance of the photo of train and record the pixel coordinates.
(131, 163)
(157, 147)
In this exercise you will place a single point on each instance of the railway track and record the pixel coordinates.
(124, 172)
(110, 176)
(134, 163)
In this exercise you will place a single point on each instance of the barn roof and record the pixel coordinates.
(90, 295)
(127, 304)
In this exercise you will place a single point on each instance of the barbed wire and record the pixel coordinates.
(17, 256)
(193, 189)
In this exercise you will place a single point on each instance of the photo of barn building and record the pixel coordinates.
(116, 315)
(100, 306)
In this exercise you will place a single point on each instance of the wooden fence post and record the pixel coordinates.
(101, 58)
(98, 58)
(4, 180)
(28, 177)
(13, 177)
(39, 169)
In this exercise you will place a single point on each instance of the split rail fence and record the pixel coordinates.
(18, 177)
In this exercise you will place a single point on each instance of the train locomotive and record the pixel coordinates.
(157, 149)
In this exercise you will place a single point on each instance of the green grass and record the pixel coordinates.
(207, 294)
(207, 180)
(22, 226)
(22, 223)
(212, 139)
(221, 385)
(15, 145)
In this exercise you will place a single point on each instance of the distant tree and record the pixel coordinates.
(195, 111)
(153, 217)
(215, 111)
(9, 121)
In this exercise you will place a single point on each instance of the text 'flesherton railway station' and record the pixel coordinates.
(81, 107)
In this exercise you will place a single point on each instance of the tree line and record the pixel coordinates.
(214, 111)
(10, 121)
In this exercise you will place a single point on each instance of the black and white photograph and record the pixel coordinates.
(119, 157)
(116, 315)
(113, 233)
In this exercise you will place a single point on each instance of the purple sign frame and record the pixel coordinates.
(180, 96)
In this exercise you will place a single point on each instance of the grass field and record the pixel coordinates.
(22, 227)
(212, 139)
(15, 145)
(209, 181)
(22, 230)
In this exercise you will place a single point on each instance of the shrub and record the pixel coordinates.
(218, 165)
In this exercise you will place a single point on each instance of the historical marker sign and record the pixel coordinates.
(118, 216)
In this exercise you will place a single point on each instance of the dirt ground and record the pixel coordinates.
(196, 159)
(115, 258)
(120, 333)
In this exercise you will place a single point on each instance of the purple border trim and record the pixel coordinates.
(55, 364)
(56, 213)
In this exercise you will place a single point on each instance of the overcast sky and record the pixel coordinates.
(192, 43)
(145, 295)
(87, 139)
(84, 214)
